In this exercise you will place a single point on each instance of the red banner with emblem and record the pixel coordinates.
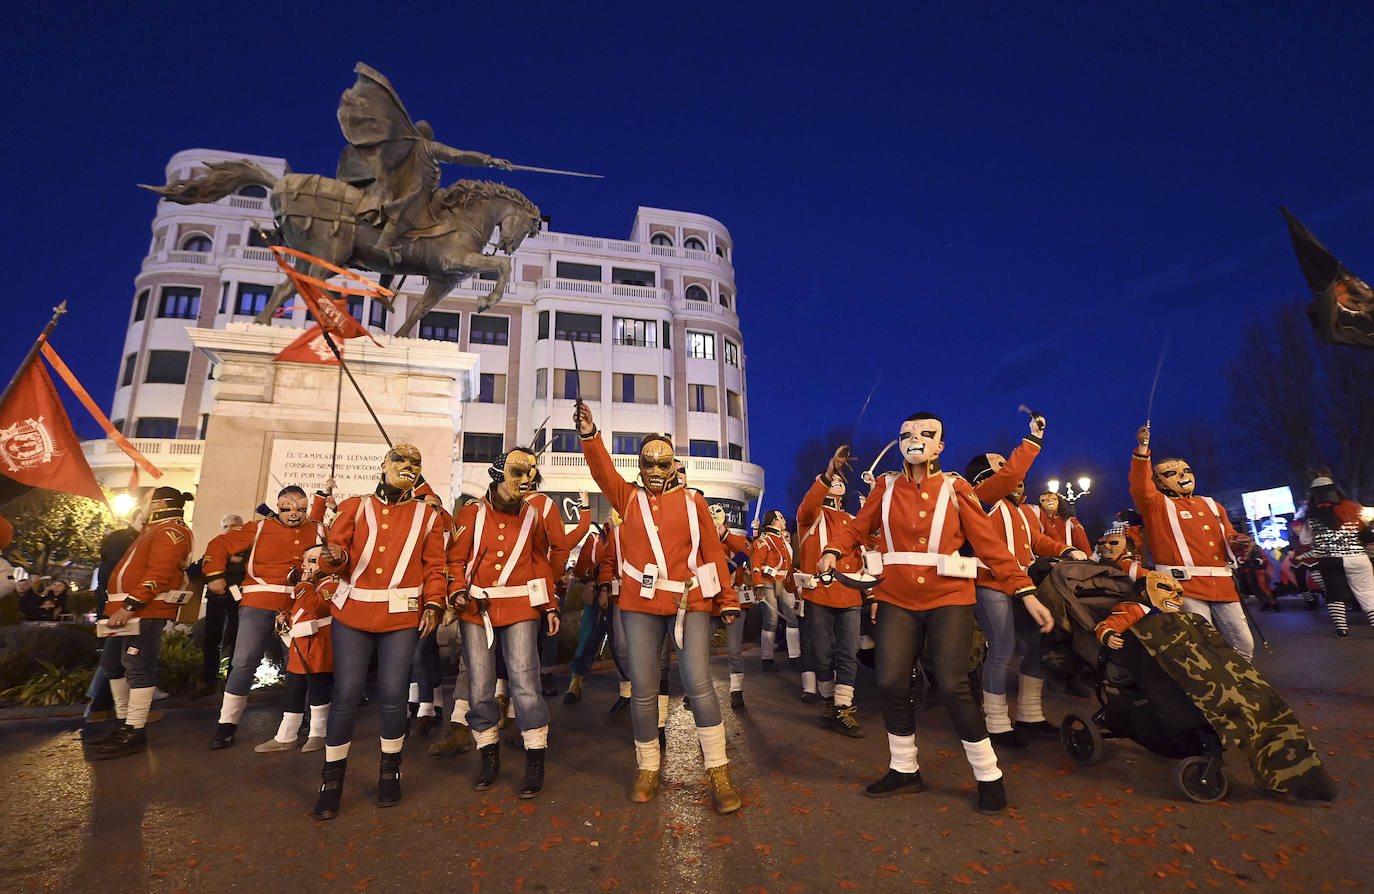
(37, 445)
(309, 348)
(332, 318)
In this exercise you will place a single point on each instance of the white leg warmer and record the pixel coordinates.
(140, 701)
(712, 740)
(232, 708)
(337, 752)
(289, 727)
(983, 760)
(808, 681)
(502, 687)
(426, 709)
(767, 643)
(624, 688)
(737, 681)
(414, 694)
(536, 738)
(793, 642)
(903, 753)
(486, 737)
(828, 689)
(663, 710)
(647, 756)
(844, 695)
(319, 720)
(995, 712)
(119, 689)
(393, 746)
(1028, 700)
(460, 711)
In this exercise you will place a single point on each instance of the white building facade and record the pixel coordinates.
(654, 317)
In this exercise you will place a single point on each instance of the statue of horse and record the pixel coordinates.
(315, 214)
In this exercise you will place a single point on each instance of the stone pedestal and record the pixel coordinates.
(272, 424)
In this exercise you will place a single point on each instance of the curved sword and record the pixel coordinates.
(515, 167)
(890, 445)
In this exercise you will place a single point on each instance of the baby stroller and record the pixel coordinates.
(1137, 699)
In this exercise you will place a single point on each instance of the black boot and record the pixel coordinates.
(767, 664)
(331, 789)
(122, 742)
(896, 782)
(534, 772)
(737, 700)
(547, 686)
(1009, 739)
(622, 704)
(992, 796)
(224, 735)
(491, 767)
(389, 780)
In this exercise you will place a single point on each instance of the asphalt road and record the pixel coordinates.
(181, 817)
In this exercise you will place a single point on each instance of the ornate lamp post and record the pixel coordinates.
(1069, 494)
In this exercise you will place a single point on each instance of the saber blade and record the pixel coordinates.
(538, 170)
(1149, 409)
(890, 445)
(864, 409)
(758, 507)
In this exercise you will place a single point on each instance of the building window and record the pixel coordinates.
(667, 391)
(635, 389)
(254, 191)
(376, 315)
(543, 325)
(635, 333)
(662, 239)
(694, 244)
(541, 382)
(257, 236)
(731, 353)
(736, 452)
(480, 448)
(626, 443)
(541, 438)
(667, 337)
(130, 362)
(701, 398)
(697, 293)
(720, 249)
(577, 327)
(724, 299)
(585, 272)
(197, 242)
(155, 427)
(734, 407)
(565, 440)
(355, 307)
(565, 385)
(703, 448)
(179, 304)
(492, 389)
(493, 330)
(224, 297)
(118, 425)
(627, 276)
(204, 425)
(440, 326)
(141, 305)
(167, 367)
(253, 299)
(701, 345)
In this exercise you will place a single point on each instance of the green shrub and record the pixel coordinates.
(179, 664)
(53, 686)
(82, 602)
(23, 650)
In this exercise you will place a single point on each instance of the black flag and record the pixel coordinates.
(1342, 309)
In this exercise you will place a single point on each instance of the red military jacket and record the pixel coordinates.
(771, 550)
(733, 544)
(1186, 532)
(905, 513)
(1022, 536)
(393, 561)
(679, 517)
(588, 564)
(502, 553)
(608, 568)
(1068, 531)
(273, 550)
(561, 541)
(152, 565)
(309, 647)
(818, 523)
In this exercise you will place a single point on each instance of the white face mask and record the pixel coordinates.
(919, 441)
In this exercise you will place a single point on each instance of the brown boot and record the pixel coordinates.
(645, 786)
(458, 741)
(723, 792)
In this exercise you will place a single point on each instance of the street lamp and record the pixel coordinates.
(1084, 485)
(123, 503)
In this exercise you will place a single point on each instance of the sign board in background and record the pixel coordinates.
(306, 464)
(1264, 503)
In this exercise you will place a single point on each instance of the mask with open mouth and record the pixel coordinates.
(1174, 478)
(920, 441)
(657, 464)
(514, 473)
(1163, 592)
(1112, 547)
(401, 467)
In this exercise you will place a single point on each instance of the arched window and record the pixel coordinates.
(694, 244)
(697, 293)
(724, 299)
(662, 239)
(720, 250)
(196, 242)
(254, 191)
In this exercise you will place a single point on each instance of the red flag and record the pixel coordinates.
(37, 445)
(309, 348)
(335, 320)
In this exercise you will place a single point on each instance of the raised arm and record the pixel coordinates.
(1143, 490)
(617, 490)
(1013, 471)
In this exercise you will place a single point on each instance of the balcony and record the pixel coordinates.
(615, 291)
(177, 451)
(638, 250)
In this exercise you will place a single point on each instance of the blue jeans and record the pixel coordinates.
(256, 627)
(644, 635)
(619, 649)
(734, 641)
(425, 671)
(1229, 620)
(775, 600)
(299, 686)
(520, 644)
(1005, 623)
(590, 633)
(140, 664)
(832, 635)
(352, 654)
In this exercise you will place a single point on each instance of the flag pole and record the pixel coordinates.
(57, 313)
(329, 340)
(338, 405)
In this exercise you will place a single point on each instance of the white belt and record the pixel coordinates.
(172, 597)
(382, 595)
(669, 586)
(266, 588)
(309, 628)
(1195, 571)
(500, 592)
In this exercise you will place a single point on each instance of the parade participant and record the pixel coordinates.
(1114, 548)
(458, 739)
(501, 567)
(426, 675)
(596, 624)
(925, 601)
(304, 629)
(733, 543)
(771, 558)
(143, 597)
(388, 547)
(1333, 529)
(832, 613)
(1161, 593)
(1191, 538)
(274, 546)
(566, 541)
(671, 570)
(221, 610)
(1055, 515)
(1001, 483)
